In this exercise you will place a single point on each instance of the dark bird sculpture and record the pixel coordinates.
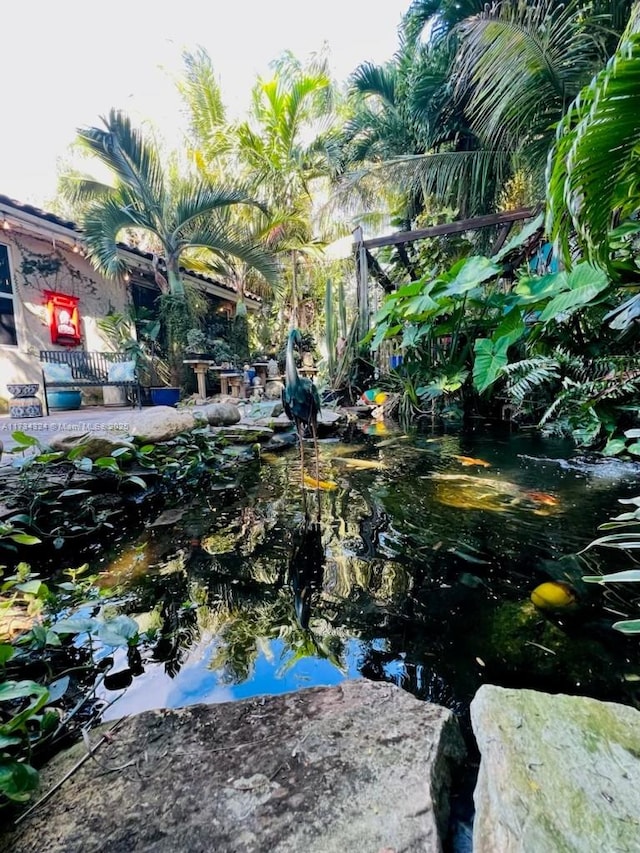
(301, 401)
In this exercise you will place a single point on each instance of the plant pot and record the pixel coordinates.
(65, 400)
(165, 396)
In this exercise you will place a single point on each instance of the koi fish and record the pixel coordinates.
(470, 460)
(323, 485)
(542, 498)
(362, 464)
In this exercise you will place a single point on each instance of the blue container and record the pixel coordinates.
(395, 361)
(165, 396)
(65, 400)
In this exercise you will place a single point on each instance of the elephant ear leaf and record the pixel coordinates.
(490, 359)
(584, 283)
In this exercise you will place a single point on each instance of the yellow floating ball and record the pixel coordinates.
(553, 595)
(380, 398)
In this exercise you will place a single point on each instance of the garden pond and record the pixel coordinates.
(414, 564)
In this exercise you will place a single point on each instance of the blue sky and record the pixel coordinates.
(65, 63)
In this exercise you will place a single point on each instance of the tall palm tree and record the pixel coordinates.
(276, 151)
(283, 148)
(182, 214)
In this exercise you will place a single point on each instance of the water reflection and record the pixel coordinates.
(419, 572)
(306, 568)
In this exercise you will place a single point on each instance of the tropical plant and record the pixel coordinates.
(592, 175)
(628, 541)
(35, 716)
(182, 215)
(472, 96)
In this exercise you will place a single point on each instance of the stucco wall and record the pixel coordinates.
(33, 272)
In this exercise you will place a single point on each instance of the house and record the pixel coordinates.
(51, 297)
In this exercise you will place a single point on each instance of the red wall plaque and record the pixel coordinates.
(64, 318)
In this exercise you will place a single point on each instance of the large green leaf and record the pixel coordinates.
(512, 327)
(490, 359)
(593, 165)
(584, 283)
(533, 289)
(472, 272)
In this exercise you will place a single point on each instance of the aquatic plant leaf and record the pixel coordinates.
(10, 690)
(613, 447)
(25, 539)
(137, 481)
(628, 626)
(74, 625)
(17, 780)
(118, 631)
(6, 653)
(23, 439)
(58, 688)
(629, 576)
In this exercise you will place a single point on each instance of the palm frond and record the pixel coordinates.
(195, 200)
(521, 65)
(134, 160)
(207, 235)
(592, 168)
(102, 223)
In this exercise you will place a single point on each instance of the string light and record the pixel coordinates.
(5, 223)
(127, 277)
(76, 247)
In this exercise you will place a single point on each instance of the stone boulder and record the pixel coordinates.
(219, 414)
(359, 767)
(328, 421)
(154, 425)
(556, 773)
(94, 444)
(243, 433)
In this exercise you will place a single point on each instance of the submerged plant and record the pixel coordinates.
(627, 541)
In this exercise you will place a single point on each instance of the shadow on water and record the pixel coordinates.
(419, 573)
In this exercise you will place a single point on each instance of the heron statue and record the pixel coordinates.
(301, 401)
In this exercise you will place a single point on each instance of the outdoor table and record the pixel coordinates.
(229, 379)
(200, 369)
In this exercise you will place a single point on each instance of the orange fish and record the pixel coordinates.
(323, 485)
(542, 498)
(469, 460)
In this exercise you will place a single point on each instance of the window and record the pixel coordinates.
(8, 334)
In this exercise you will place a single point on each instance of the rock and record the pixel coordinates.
(359, 767)
(154, 425)
(328, 422)
(243, 433)
(557, 773)
(219, 414)
(167, 518)
(94, 444)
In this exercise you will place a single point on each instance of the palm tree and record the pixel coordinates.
(284, 147)
(267, 150)
(484, 93)
(182, 215)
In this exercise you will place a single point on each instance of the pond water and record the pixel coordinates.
(419, 571)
